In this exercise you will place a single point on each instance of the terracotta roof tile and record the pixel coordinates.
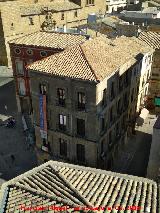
(49, 39)
(152, 39)
(66, 184)
(92, 60)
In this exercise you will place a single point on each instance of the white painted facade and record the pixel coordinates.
(113, 5)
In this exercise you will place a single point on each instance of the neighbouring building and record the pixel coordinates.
(61, 187)
(153, 97)
(115, 5)
(146, 13)
(153, 170)
(32, 47)
(84, 99)
(31, 16)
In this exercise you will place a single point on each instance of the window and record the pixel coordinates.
(62, 122)
(104, 100)
(80, 153)
(61, 96)
(12, 26)
(120, 83)
(126, 78)
(75, 14)
(21, 87)
(43, 54)
(118, 107)
(19, 67)
(17, 50)
(110, 138)
(112, 91)
(63, 147)
(62, 16)
(80, 127)
(31, 21)
(43, 89)
(81, 100)
(102, 124)
(89, 2)
(30, 52)
(102, 146)
(111, 115)
(117, 130)
(132, 95)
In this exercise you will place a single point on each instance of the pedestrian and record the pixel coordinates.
(149, 122)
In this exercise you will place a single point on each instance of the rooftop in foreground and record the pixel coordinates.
(49, 39)
(61, 184)
(93, 60)
(150, 38)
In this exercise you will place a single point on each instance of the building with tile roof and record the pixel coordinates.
(62, 185)
(90, 95)
(152, 39)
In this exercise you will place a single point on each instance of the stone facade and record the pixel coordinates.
(30, 17)
(153, 170)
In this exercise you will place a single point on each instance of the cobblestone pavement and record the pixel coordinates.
(134, 158)
(12, 140)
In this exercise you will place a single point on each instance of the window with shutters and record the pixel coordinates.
(80, 127)
(63, 147)
(61, 96)
(19, 68)
(80, 153)
(62, 122)
(43, 89)
(81, 100)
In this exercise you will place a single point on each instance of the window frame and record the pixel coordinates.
(81, 130)
(41, 53)
(61, 96)
(43, 89)
(81, 100)
(62, 122)
(20, 62)
(62, 16)
(63, 147)
(80, 148)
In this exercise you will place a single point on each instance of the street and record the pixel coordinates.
(15, 158)
(134, 158)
